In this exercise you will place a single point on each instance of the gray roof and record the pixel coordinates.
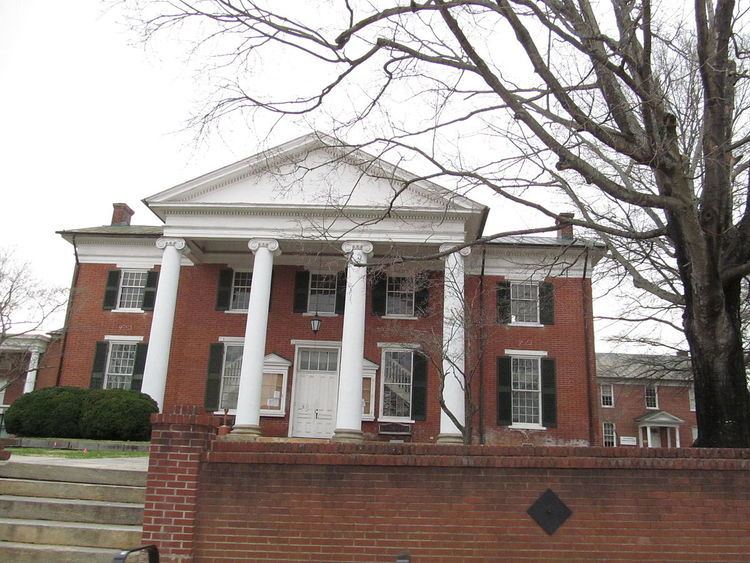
(116, 230)
(530, 240)
(653, 367)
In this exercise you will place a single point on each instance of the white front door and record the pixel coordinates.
(316, 390)
(656, 437)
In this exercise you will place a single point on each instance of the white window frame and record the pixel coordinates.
(312, 309)
(369, 374)
(604, 434)
(527, 355)
(411, 348)
(514, 322)
(691, 397)
(388, 297)
(120, 341)
(123, 271)
(611, 395)
(656, 395)
(232, 308)
(268, 368)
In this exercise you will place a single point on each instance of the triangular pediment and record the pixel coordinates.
(659, 418)
(313, 173)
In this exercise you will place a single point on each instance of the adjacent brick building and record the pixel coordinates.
(362, 293)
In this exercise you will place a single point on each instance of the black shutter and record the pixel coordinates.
(422, 294)
(546, 303)
(224, 292)
(379, 286)
(301, 289)
(549, 393)
(213, 381)
(504, 400)
(140, 364)
(419, 387)
(149, 294)
(100, 364)
(112, 289)
(503, 302)
(340, 292)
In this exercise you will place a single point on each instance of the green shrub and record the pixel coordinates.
(53, 412)
(71, 412)
(117, 414)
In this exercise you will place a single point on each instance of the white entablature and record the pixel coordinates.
(312, 188)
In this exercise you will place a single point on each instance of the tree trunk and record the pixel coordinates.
(721, 395)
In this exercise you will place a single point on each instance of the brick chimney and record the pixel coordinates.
(121, 214)
(564, 227)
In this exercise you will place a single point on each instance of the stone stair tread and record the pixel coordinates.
(92, 485)
(71, 501)
(55, 548)
(66, 524)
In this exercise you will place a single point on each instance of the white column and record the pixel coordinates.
(160, 338)
(30, 383)
(453, 345)
(677, 436)
(247, 422)
(349, 407)
(648, 435)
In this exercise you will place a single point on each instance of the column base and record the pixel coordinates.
(347, 436)
(450, 439)
(244, 433)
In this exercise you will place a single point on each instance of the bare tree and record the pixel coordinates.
(26, 304)
(533, 98)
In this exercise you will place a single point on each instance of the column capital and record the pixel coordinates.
(351, 246)
(448, 246)
(178, 243)
(271, 244)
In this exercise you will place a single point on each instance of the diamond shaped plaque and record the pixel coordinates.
(549, 512)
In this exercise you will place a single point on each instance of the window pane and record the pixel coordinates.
(241, 290)
(607, 397)
(271, 392)
(120, 366)
(525, 391)
(397, 374)
(524, 302)
(651, 401)
(230, 380)
(322, 293)
(400, 296)
(312, 359)
(132, 288)
(366, 394)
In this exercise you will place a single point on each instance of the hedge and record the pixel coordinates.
(72, 412)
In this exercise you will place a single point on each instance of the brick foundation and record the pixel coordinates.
(214, 500)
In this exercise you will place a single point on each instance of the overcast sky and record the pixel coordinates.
(91, 116)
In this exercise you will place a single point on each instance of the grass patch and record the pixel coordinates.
(75, 454)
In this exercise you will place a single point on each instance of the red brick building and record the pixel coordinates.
(315, 291)
(646, 400)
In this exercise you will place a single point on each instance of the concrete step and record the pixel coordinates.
(85, 534)
(71, 474)
(71, 510)
(83, 491)
(26, 552)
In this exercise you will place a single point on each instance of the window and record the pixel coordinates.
(526, 391)
(609, 438)
(524, 302)
(399, 297)
(241, 282)
(318, 359)
(652, 397)
(694, 433)
(118, 363)
(273, 387)
(132, 289)
(403, 385)
(322, 293)
(607, 394)
(691, 398)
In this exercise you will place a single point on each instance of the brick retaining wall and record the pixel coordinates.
(346, 502)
